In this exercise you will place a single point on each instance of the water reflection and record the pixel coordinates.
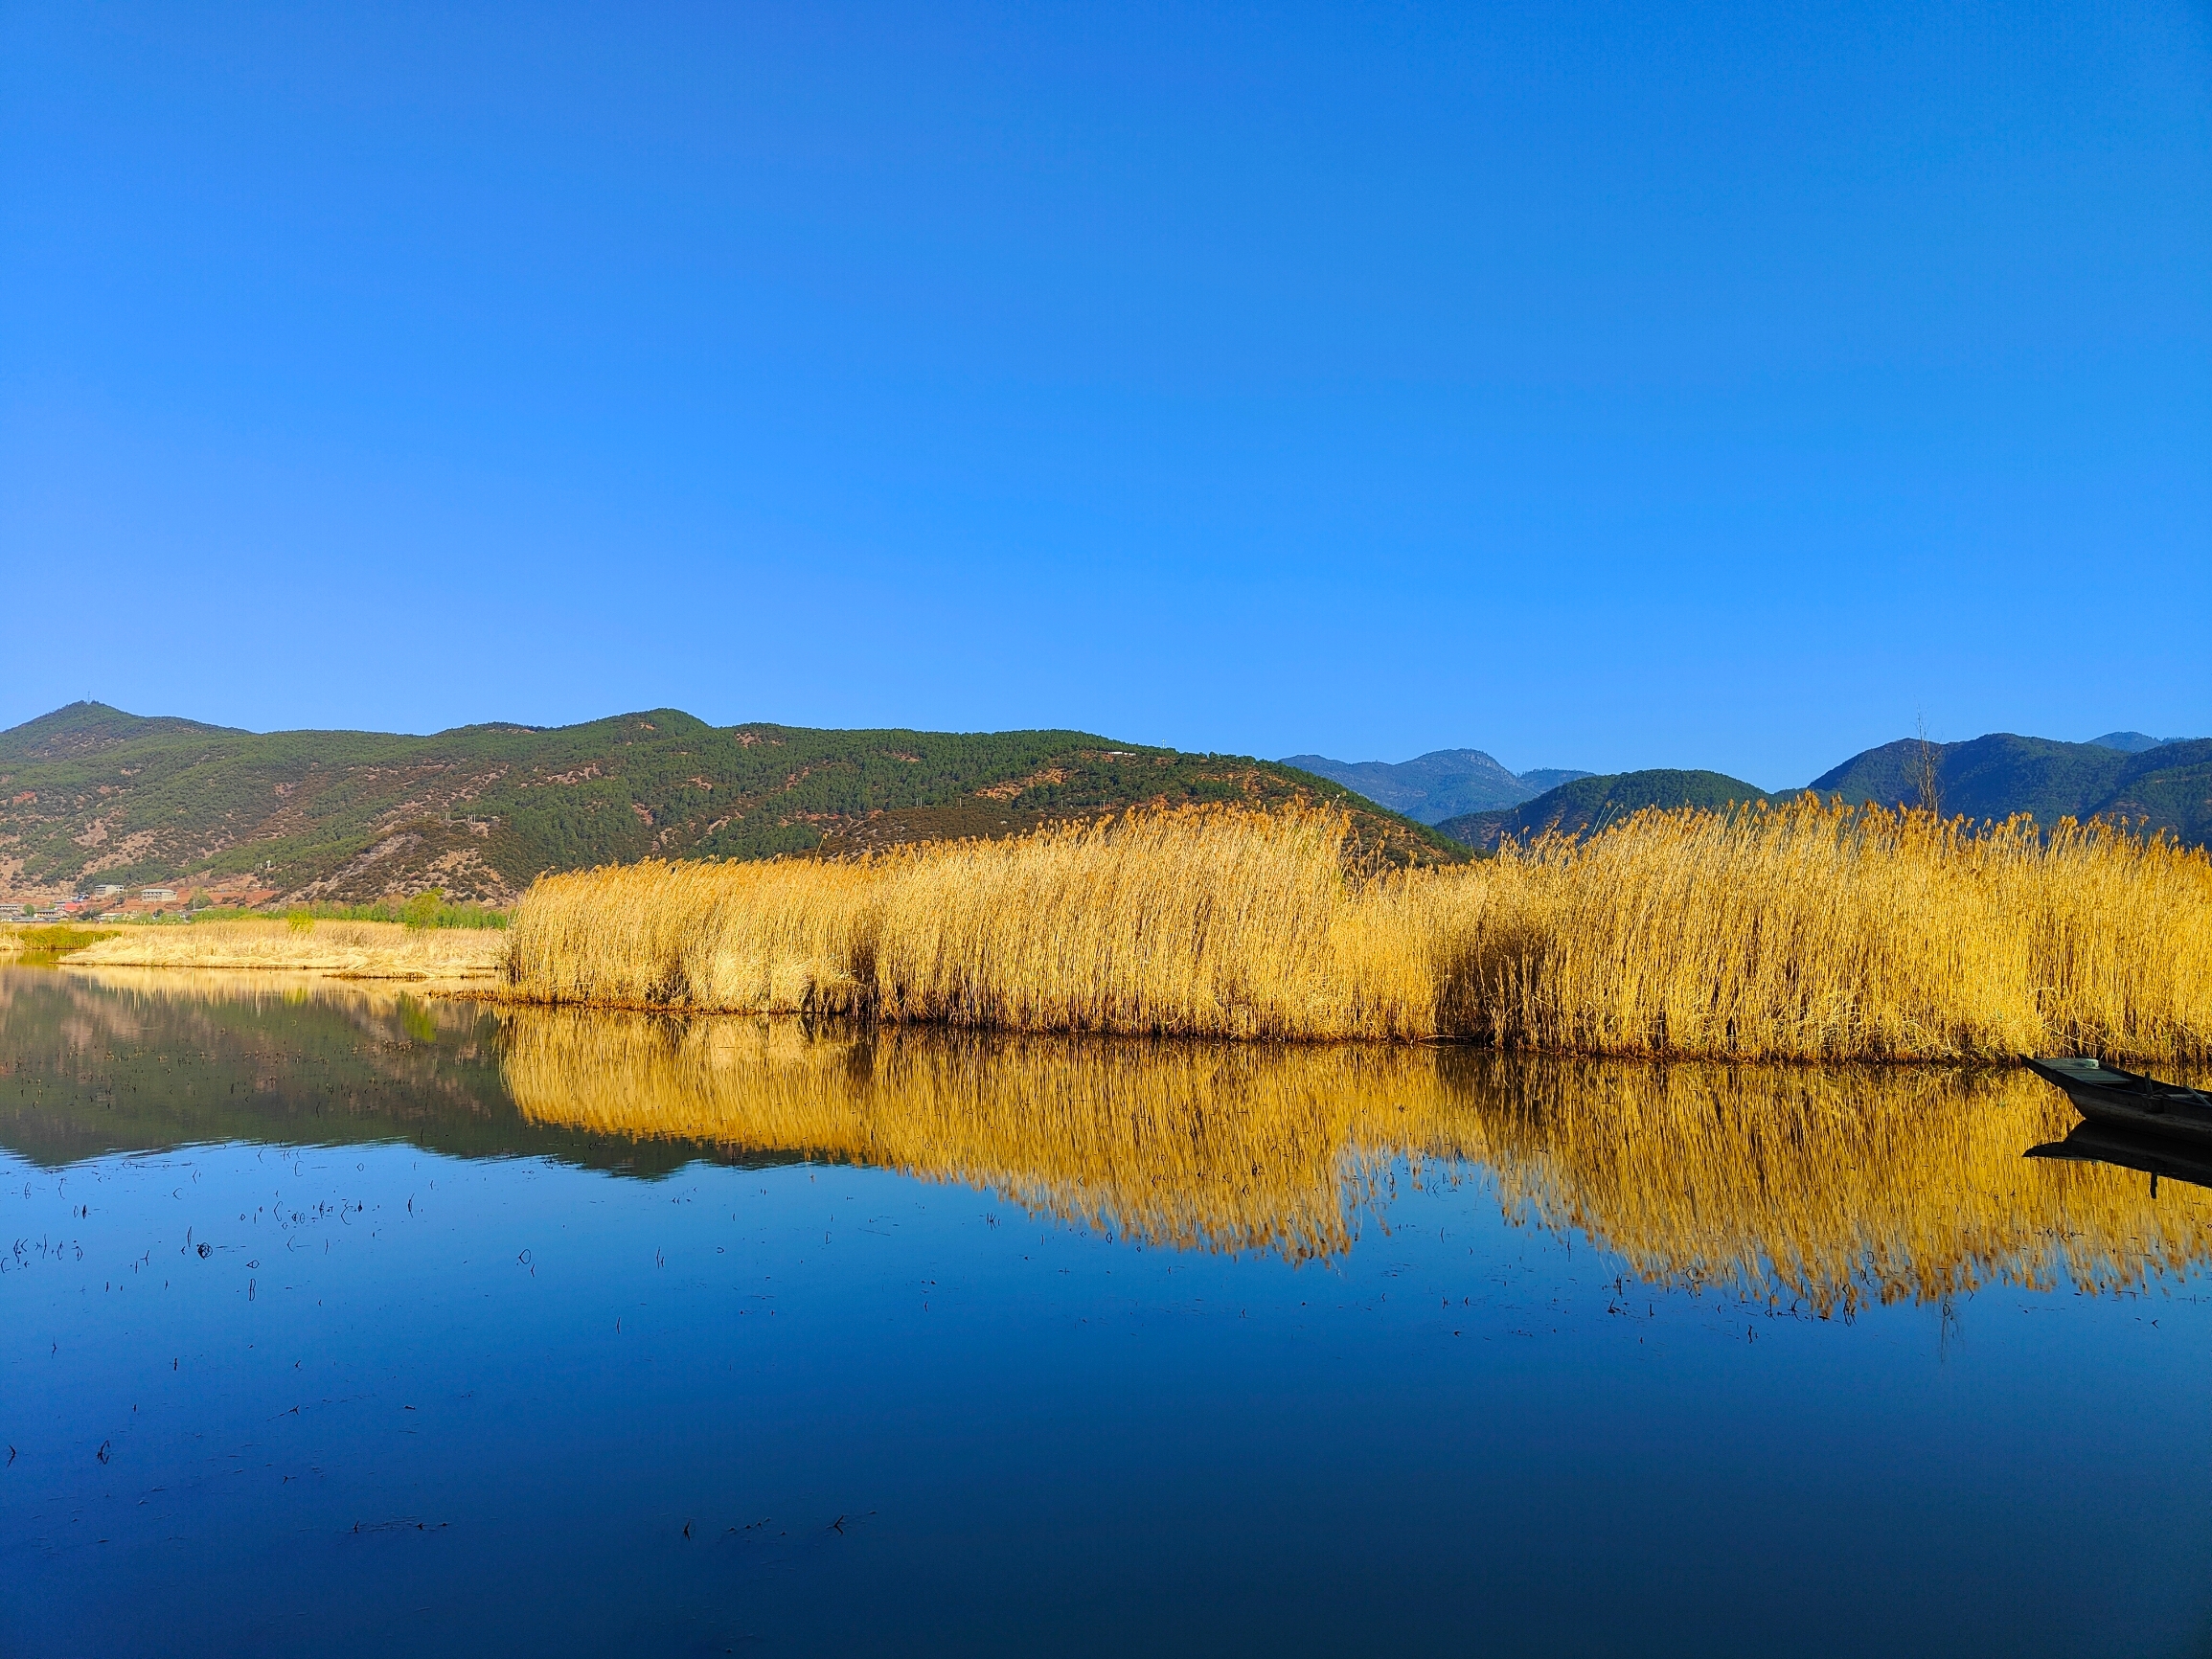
(1197, 1145)
(136, 1059)
(1831, 1186)
(1823, 1187)
(2159, 1156)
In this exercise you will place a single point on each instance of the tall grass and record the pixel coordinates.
(354, 949)
(1799, 931)
(59, 940)
(1816, 932)
(1191, 923)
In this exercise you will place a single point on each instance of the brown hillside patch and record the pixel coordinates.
(1008, 790)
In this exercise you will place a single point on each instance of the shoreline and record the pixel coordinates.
(333, 949)
(1812, 935)
(490, 989)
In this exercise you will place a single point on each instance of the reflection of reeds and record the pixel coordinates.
(1214, 1146)
(1804, 932)
(1831, 1186)
(1827, 1184)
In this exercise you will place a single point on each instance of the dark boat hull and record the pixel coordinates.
(2169, 1157)
(2129, 1101)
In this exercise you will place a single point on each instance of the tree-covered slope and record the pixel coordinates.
(1996, 776)
(90, 794)
(2133, 743)
(1586, 803)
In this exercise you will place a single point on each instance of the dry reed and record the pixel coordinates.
(1800, 931)
(1184, 923)
(346, 949)
(1819, 932)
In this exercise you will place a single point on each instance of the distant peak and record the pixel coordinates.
(85, 728)
(1428, 789)
(2129, 743)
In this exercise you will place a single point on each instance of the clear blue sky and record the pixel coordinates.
(1599, 386)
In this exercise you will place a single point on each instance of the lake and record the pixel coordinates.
(336, 1318)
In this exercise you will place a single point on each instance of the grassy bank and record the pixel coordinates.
(56, 941)
(430, 909)
(1797, 931)
(354, 949)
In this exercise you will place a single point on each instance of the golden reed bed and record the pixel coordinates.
(1827, 1186)
(341, 950)
(1801, 931)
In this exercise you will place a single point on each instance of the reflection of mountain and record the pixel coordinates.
(131, 1059)
(1831, 1186)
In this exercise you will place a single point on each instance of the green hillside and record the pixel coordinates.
(91, 794)
(1586, 803)
(1996, 776)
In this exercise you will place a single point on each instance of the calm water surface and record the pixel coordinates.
(330, 1318)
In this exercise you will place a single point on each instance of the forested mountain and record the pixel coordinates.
(2133, 743)
(2165, 785)
(91, 794)
(2168, 785)
(1431, 788)
(1591, 802)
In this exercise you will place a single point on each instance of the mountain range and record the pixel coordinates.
(2167, 785)
(1442, 783)
(2162, 784)
(91, 796)
(1594, 800)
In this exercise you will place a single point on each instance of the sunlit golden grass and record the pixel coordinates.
(1189, 922)
(1827, 1186)
(1802, 931)
(352, 949)
(1815, 932)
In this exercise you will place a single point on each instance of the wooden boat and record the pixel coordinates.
(2121, 1099)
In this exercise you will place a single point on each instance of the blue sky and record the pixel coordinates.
(1600, 386)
